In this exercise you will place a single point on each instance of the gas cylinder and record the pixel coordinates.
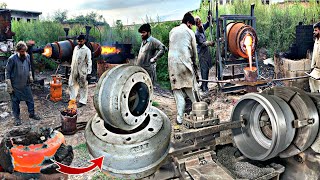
(56, 88)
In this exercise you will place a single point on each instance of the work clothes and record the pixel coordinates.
(315, 65)
(181, 59)
(204, 56)
(179, 96)
(81, 66)
(18, 71)
(150, 48)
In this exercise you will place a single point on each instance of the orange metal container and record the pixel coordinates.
(56, 88)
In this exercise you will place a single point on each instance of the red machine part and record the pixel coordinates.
(29, 159)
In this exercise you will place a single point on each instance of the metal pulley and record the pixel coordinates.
(304, 110)
(282, 121)
(266, 132)
(130, 155)
(123, 95)
(133, 136)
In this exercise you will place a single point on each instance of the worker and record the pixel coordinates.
(81, 67)
(315, 62)
(204, 56)
(18, 79)
(151, 50)
(181, 62)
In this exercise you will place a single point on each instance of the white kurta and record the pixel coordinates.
(182, 55)
(81, 66)
(315, 64)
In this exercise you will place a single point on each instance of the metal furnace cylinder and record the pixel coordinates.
(236, 34)
(63, 50)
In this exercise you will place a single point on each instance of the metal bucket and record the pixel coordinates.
(250, 75)
(68, 124)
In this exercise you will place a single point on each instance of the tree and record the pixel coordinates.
(90, 18)
(3, 5)
(60, 16)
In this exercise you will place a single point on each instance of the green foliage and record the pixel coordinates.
(42, 32)
(81, 147)
(60, 16)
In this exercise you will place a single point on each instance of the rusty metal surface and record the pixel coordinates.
(250, 75)
(304, 109)
(190, 123)
(203, 167)
(131, 154)
(68, 124)
(235, 34)
(305, 165)
(192, 136)
(123, 95)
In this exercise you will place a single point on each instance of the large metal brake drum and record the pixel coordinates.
(123, 96)
(266, 132)
(303, 109)
(134, 154)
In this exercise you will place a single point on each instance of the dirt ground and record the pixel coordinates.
(50, 113)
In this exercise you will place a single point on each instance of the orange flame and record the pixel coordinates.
(109, 50)
(248, 44)
(72, 107)
(47, 51)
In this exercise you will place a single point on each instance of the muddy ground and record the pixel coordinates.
(50, 113)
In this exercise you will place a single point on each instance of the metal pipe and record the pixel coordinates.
(66, 30)
(264, 81)
(252, 10)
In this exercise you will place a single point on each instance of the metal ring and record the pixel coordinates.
(112, 96)
(303, 108)
(146, 152)
(248, 139)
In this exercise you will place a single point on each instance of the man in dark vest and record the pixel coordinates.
(18, 79)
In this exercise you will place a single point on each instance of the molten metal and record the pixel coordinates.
(248, 44)
(109, 50)
(72, 108)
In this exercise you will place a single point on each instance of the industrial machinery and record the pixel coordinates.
(62, 50)
(236, 50)
(6, 40)
(273, 134)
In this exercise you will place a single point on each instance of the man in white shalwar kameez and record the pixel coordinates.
(181, 61)
(315, 62)
(81, 66)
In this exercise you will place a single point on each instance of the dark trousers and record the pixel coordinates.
(15, 100)
(205, 62)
